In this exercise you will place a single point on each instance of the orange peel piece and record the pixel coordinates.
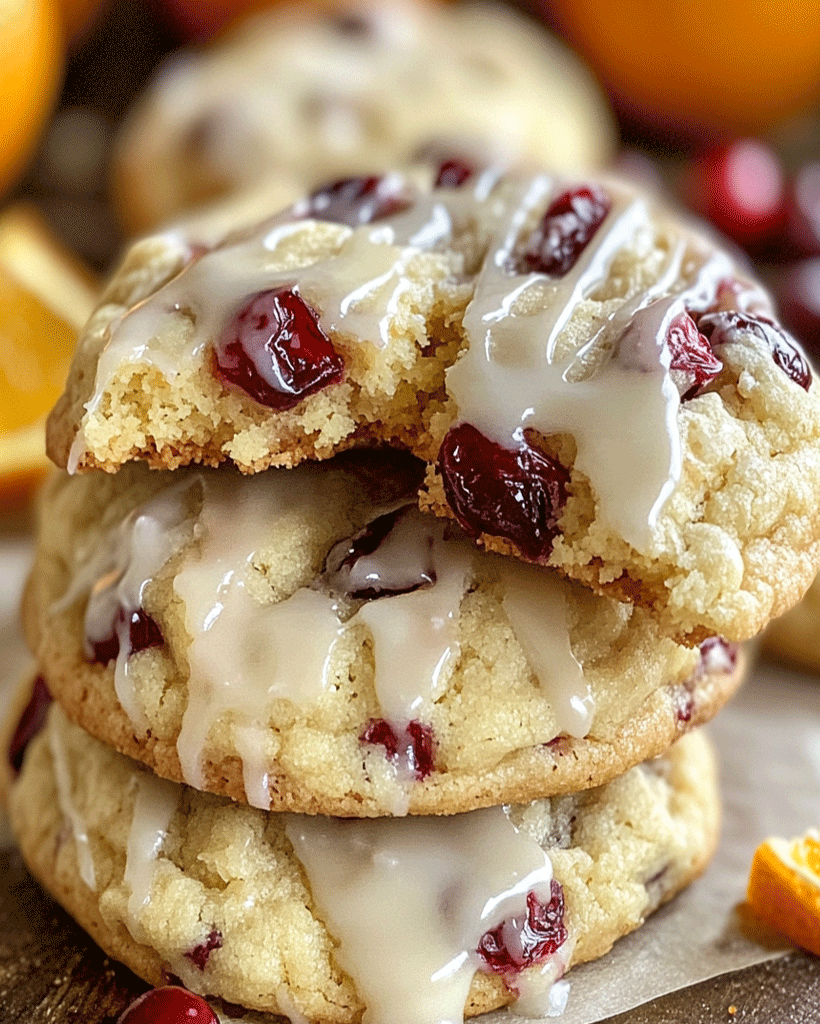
(784, 887)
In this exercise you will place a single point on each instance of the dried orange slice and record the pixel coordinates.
(784, 887)
(46, 296)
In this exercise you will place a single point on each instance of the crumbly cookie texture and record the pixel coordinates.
(306, 639)
(593, 383)
(268, 107)
(172, 881)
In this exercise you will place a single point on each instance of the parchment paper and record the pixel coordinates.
(768, 742)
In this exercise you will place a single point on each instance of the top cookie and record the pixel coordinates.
(307, 93)
(594, 384)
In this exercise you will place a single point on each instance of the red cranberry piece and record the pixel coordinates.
(31, 722)
(143, 632)
(339, 574)
(453, 172)
(741, 188)
(799, 301)
(718, 655)
(538, 935)
(693, 363)
(168, 1005)
(355, 201)
(414, 746)
(724, 327)
(276, 352)
(201, 954)
(514, 493)
(803, 228)
(564, 232)
(683, 698)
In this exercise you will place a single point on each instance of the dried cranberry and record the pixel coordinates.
(414, 746)
(683, 698)
(168, 1005)
(693, 363)
(537, 935)
(514, 493)
(143, 632)
(201, 954)
(339, 573)
(355, 201)
(31, 722)
(276, 352)
(724, 327)
(740, 187)
(718, 655)
(564, 232)
(453, 172)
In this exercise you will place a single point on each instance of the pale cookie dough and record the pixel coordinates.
(594, 384)
(318, 918)
(795, 636)
(307, 94)
(305, 639)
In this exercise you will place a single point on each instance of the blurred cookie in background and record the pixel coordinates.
(303, 94)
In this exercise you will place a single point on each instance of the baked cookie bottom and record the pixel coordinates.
(220, 901)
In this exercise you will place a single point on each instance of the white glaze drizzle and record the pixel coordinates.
(409, 900)
(62, 778)
(535, 603)
(243, 654)
(118, 572)
(155, 803)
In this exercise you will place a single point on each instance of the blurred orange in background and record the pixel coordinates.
(78, 17)
(32, 45)
(703, 67)
(46, 296)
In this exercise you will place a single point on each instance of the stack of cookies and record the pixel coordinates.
(402, 542)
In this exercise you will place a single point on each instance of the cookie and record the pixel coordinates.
(306, 94)
(306, 639)
(317, 918)
(594, 384)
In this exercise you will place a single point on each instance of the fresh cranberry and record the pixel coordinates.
(276, 352)
(803, 227)
(740, 187)
(414, 746)
(537, 935)
(453, 172)
(723, 328)
(31, 722)
(143, 632)
(338, 575)
(799, 301)
(355, 201)
(693, 363)
(515, 493)
(201, 954)
(168, 1005)
(564, 232)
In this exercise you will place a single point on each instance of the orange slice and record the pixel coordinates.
(46, 296)
(784, 887)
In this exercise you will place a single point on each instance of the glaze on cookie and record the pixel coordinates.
(594, 384)
(306, 639)
(285, 913)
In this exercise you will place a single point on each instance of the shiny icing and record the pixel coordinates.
(244, 654)
(614, 395)
(409, 900)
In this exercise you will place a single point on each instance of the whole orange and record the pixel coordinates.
(705, 66)
(31, 45)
